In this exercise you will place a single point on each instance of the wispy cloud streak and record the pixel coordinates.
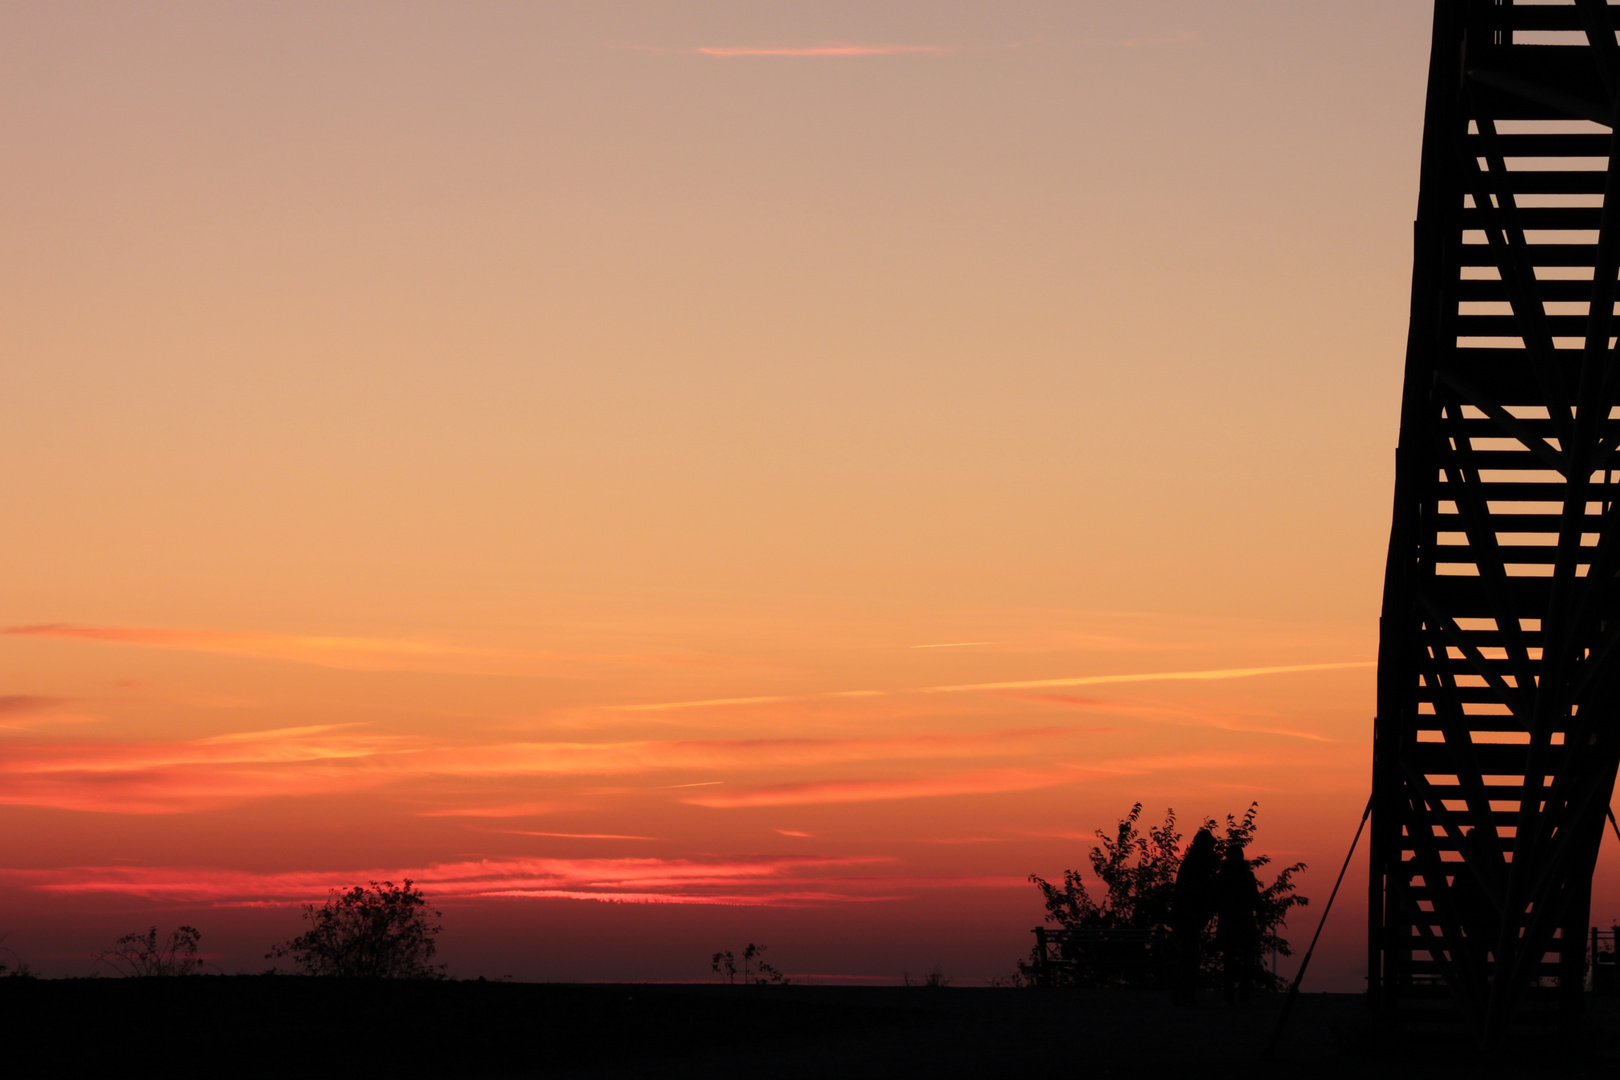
(350, 653)
(981, 782)
(1160, 676)
(1181, 717)
(1215, 674)
(229, 769)
(528, 809)
(753, 879)
(841, 49)
(576, 835)
(835, 49)
(343, 652)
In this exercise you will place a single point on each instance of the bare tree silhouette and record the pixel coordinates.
(140, 955)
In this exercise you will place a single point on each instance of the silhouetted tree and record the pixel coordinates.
(1137, 873)
(142, 955)
(378, 933)
(754, 969)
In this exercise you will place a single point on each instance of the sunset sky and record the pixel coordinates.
(665, 475)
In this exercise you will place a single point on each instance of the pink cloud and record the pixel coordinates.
(232, 768)
(757, 879)
(200, 774)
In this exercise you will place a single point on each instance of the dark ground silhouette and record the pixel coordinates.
(251, 1026)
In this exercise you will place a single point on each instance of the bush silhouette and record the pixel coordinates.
(378, 933)
(935, 978)
(1138, 874)
(143, 955)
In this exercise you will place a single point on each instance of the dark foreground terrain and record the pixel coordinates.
(250, 1026)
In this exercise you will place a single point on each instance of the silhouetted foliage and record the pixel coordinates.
(1137, 873)
(754, 969)
(1018, 980)
(143, 955)
(378, 933)
(16, 967)
(935, 978)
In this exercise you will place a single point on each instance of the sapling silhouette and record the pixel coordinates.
(143, 955)
(754, 969)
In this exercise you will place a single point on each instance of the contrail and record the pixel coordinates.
(1162, 676)
(1025, 684)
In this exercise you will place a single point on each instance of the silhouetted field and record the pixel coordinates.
(286, 1026)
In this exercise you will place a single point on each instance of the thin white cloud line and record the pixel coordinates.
(1161, 676)
(955, 644)
(1028, 684)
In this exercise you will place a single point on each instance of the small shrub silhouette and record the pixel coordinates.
(935, 978)
(143, 955)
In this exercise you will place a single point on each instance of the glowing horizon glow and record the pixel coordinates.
(625, 880)
(587, 477)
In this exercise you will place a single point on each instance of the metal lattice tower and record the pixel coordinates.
(1498, 730)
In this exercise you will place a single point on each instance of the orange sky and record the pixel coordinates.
(802, 466)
